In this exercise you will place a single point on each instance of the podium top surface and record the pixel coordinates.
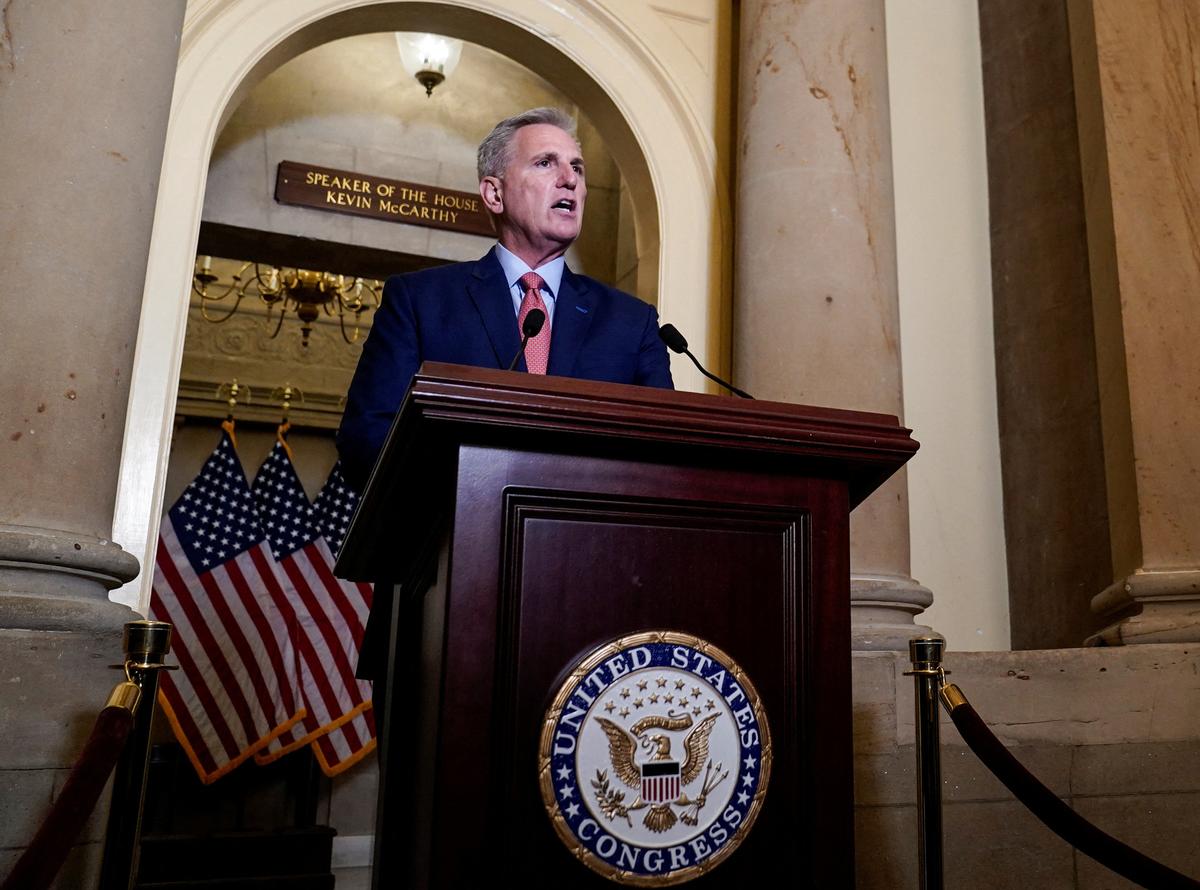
(454, 404)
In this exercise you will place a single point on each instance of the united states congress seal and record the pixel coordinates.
(654, 759)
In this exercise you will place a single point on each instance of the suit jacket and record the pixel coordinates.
(463, 313)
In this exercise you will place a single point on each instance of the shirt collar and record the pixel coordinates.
(514, 267)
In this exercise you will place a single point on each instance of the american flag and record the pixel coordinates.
(330, 616)
(334, 508)
(216, 582)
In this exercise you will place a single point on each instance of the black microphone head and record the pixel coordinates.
(532, 325)
(674, 340)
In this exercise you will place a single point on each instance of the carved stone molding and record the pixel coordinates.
(56, 580)
(883, 609)
(1150, 607)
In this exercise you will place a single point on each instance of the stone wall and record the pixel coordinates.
(1111, 731)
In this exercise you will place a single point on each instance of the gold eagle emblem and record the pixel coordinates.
(622, 748)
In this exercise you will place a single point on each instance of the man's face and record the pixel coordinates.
(539, 199)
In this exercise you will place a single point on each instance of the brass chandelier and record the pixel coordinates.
(302, 291)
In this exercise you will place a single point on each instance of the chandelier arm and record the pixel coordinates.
(352, 300)
(278, 324)
(342, 325)
(228, 315)
(202, 292)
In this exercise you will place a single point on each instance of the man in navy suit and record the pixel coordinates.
(531, 179)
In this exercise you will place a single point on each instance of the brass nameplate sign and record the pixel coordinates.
(359, 194)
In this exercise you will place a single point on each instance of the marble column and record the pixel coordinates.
(85, 89)
(1137, 70)
(815, 314)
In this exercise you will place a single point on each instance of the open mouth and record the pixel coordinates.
(565, 204)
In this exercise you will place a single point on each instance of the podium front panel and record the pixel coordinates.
(555, 553)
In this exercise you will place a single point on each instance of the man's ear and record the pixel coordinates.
(490, 192)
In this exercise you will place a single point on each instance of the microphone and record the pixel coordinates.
(676, 343)
(531, 327)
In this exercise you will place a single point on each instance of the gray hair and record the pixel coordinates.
(495, 151)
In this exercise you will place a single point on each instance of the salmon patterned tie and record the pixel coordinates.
(537, 351)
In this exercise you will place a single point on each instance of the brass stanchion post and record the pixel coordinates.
(146, 646)
(926, 655)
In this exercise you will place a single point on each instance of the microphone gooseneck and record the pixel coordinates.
(676, 342)
(530, 327)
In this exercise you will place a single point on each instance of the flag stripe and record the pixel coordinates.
(324, 744)
(264, 570)
(320, 628)
(280, 600)
(318, 601)
(248, 669)
(238, 608)
(177, 711)
(351, 607)
(225, 675)
(272, 657)
(189, 683)
(201, 691)
(324, 701)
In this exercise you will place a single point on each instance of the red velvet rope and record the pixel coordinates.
(1057, 816)
(49, 848)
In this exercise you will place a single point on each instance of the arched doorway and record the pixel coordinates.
(605, 65)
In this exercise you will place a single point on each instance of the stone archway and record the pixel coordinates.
(604, 63)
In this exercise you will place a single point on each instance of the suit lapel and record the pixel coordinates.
(489, 292)
(574, 307)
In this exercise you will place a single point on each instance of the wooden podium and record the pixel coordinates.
(523, 520)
